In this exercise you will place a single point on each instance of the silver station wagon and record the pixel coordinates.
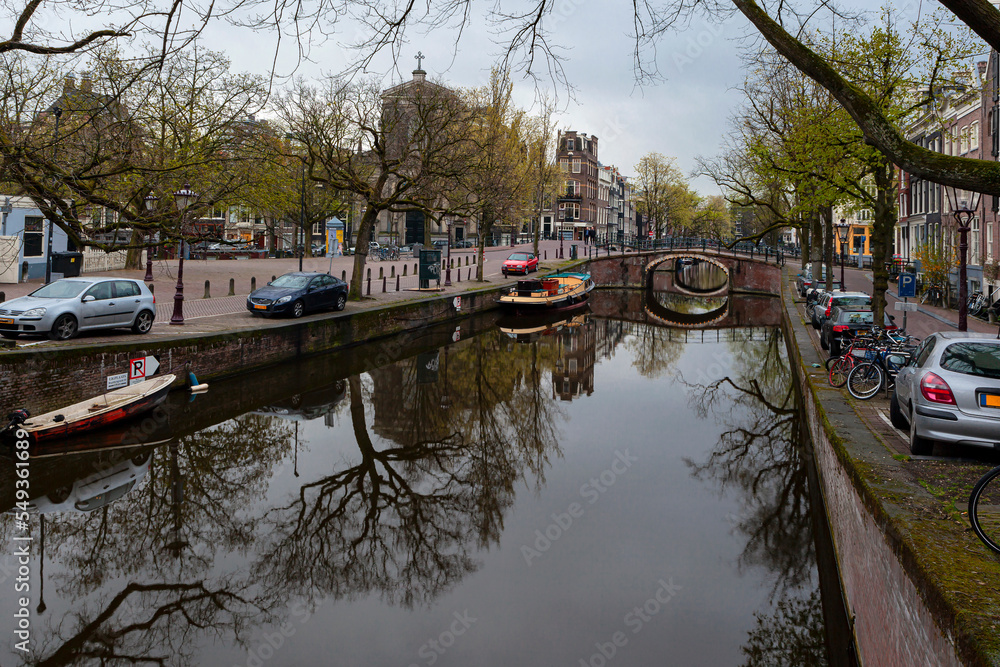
(65, 307)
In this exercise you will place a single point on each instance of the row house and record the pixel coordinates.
(951, 126)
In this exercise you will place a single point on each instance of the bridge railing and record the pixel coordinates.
(766, 253)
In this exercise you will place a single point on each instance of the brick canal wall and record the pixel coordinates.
(630, 270)
(898, 617)
(43, 380)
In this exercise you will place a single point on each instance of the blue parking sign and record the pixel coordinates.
(907, 286)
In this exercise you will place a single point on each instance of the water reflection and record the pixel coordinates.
(761, 457)
(410, 484)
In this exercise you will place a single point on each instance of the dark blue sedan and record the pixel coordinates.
(296, 293)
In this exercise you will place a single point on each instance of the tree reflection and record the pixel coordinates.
(404, 520)
(761, 457)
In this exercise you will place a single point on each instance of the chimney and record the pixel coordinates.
(86, 83)
(69, 83)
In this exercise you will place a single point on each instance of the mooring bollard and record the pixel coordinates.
(232, 287)
(253, 283)
(383, 284)
(208, 290)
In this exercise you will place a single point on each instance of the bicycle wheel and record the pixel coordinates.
(864, 380)
(984, 509)
(839, 370)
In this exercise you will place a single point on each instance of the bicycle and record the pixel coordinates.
(838, 368)
(984, 509)
(932, 294)
(878, 371)
(977, 303)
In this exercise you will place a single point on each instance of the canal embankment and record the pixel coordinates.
(919, 586)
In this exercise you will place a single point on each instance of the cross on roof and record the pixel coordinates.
(419, 57)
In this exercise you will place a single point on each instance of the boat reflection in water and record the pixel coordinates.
(96, 490)
(307, 405)
(528, 328)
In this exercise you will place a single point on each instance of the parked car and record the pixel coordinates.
(465, 243)
(95, 491)
(65, 307)
(804, 280)
(830, 300)
(950, 392)
(844, 322)
(297, 293)
(520, 262)
(441, 244)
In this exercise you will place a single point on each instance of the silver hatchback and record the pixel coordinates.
(950, 392)
(65, 307)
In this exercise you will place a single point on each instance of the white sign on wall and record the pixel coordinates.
(117, 381)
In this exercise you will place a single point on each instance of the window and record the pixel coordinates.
(576, 165)
(978, 359)
(974, 135)
(100, 291)
(572, 188)
(564, 164)
(33, 237)
(124, 288)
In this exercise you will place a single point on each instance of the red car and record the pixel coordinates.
(520, 262)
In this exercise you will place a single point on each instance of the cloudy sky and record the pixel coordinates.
(684, 116)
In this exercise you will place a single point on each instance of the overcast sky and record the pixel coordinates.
(683, 116)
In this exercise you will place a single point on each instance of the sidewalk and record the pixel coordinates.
(228, 313)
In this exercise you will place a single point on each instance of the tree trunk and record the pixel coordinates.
(805, 243)
(368, 221)
(133, 258)
(828, 246)
(817, 242)
(881, 235)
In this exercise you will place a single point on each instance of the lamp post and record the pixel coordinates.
(183, 198)
(560, 239)
(6, 209)
(57, 112)
(150, 202)
(842, 229)
(302, 214)
(447, 272)
(964, 205)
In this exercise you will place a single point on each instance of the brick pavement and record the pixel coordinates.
(228, 313)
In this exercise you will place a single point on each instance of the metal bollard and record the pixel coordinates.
(232, 287)
(383, 284)
(343, 275)
(208, 290)
(459, 278)
(545, 254)
(253, 283)
(369, 284)
(397, 283)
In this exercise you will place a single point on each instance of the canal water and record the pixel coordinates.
(579, 490)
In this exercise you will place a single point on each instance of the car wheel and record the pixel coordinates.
(298, 309)
(895, 414)
(63, 328)
(341, 302)
(140, 459)
(60, 495)
(918, 446)
(10, 334)
(143, 322)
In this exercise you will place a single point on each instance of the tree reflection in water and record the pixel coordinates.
(404, 521)
(761, 457)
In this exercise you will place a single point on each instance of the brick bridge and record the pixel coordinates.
(746, 275)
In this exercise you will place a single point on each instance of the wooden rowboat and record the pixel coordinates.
(559, 291)
(97, 412)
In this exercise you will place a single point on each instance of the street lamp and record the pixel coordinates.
(842, 229)
(447, 272)
(964, 204)
(183, 198)
(561, 238)
(150, 202)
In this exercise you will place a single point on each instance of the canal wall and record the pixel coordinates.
(891, 556)
(43, 380)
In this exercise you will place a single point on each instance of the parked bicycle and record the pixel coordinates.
(879, 369)
(977, 304)
(934, 294)
(984, 509)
